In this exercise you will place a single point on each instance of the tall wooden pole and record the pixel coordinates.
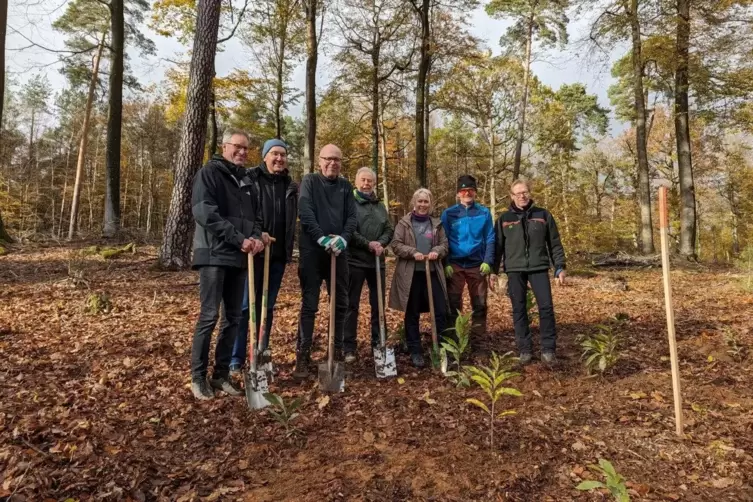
(664, 230)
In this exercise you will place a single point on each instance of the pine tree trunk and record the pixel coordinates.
(4, 236)
(644, 187)
(213, 129)
(682, 128)
(280, 77)
(84, 140)
(141, 184)
(312, 54)
(3, 27)
(114, 122)
(423, 71)
(375, 113)
(176, 246)
(383, 142)
(492, 173)
(523, 103)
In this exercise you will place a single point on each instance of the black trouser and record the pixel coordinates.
(313, 268)
(418, 301)
(518, 286)
(357, 276)
(217, 285)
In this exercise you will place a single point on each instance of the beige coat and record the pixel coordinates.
(404, 247)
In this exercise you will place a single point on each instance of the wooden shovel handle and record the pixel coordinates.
(663, 216)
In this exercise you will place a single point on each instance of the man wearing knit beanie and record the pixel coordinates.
(278, 203)
(470, 233)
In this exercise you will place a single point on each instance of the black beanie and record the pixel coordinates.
(466, 181)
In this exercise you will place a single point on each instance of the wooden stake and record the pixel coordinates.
(664, 231)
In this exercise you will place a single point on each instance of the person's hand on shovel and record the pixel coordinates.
(265, 238)
(432, 256)
(376, 248)
(252, 246)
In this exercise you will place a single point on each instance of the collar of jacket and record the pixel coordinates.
(272, 176)
(228, 167)
(516, 209)
(435, 222)
(361, 200)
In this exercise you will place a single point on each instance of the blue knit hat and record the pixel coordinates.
(271, 143)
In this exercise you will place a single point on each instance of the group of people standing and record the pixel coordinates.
(241, 211)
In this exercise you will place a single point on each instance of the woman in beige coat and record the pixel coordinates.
(418, 238)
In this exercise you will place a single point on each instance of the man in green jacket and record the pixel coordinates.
(373, 234)
(527, 241)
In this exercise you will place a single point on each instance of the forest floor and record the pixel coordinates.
(98, 407)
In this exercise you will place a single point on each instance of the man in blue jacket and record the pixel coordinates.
(470, 232)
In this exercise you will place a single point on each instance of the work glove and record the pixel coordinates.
(448, 271)
(337, 245)
(486, 269)
(324, 242)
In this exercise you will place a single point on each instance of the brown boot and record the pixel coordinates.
(302, 363)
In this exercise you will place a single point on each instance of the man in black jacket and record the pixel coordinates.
(328, 219)
(228, 227)
(278, 199)
(527, 241)
(373, 234)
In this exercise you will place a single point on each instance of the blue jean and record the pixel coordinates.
(276, 272)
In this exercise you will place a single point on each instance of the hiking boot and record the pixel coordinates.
(548, 357)
(350, 357)
(226, 385)
(418, 360)
(201, 389)
(236, 368)
(525, 358)
(302, 362)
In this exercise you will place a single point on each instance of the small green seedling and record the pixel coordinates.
(284, 413)
(491, 380)
(734, 348)
(398, 337)
(456, 346)
(600, 350)
(615, 483)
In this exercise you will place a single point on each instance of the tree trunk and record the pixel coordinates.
(644, 188)
(124, 208)
(176, 245)
(141, 184)
(84, 140)
(375, 112)
(682, 129)
(3, 26)
(383, 141)
(423, 71)
(492, 174)
(279, 88)
(114, 122)
(523, 102)
(213, 129)
(312, 53)
(150, 200)
(4, 237)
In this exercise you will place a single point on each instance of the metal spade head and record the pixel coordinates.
(384, 362)
(256, 386)
(333, 381)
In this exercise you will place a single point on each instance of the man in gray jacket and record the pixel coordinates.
(228, 227)
(373, 234)
(327, 211)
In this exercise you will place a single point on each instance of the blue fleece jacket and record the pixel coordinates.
(470, 232)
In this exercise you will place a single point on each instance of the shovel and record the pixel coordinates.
(384, 357)
(256, 384)
(331, 373)
(434, 337)
(265, 361)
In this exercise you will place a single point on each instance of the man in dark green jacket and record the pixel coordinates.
(373, 234)
(527, 241)
(228, 227)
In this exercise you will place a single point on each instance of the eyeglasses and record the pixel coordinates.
(331, 159)
(467, 192)
(242, 148)
(521, 194)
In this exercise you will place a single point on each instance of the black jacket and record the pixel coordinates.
(527, 240)
(373, 225)
(226, 213)
(264, 185)
(326, 207)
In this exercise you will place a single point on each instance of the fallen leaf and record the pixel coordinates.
(638, 395)
(723, 482)
(368, 437)
(578, 446)
(401, 380)
(429, 400)
(323, 401)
